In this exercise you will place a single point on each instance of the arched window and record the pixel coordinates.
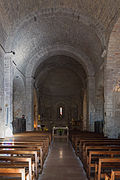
(60, 112)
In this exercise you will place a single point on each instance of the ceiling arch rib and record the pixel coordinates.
(41, 56)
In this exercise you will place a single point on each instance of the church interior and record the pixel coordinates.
(60, 89)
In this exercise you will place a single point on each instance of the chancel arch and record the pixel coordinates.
(44, 70)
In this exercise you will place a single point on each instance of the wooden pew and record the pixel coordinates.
(45, 141)
(6, 161)
(22, 153)
(26, 144)
(26, 147)
(32, 141)
(111, 163)
(100, 142)
(36, 134)
(94, 157)
(77, 138)
(107, 176)
(83, 138)
(21, 141)
(16, 165)
(97, 148)
(43, 150)
(14, 172)
(86, 143)
(102, 145)
(113, 175)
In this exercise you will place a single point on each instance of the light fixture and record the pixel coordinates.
(117, 87)
(104, 53)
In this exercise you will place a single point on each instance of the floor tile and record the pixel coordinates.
(62, 163)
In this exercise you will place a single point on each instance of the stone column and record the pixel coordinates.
(29, 104)
(85, 111)
(112, 84)
(109, 115)
(91, 102)
(35, 109)
(8, 95)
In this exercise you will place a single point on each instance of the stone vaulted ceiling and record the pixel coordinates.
(28, 26)
(60, 75)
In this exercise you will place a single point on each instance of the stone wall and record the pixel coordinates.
(99, 95)
(60, 88)
(1, 95)
(49, 110)
(3, 37)
(112, 84)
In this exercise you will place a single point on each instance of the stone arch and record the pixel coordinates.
(40, 56)
(111, 83)
(58, 50)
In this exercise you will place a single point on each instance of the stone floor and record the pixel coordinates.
(62, 163)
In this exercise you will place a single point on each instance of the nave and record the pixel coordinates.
(59, 67)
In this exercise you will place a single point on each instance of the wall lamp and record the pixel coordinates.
(12, 52)
(117, 87)
(104, 53)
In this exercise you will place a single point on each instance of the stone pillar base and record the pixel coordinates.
(5, 131)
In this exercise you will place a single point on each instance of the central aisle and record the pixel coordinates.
(62, 163)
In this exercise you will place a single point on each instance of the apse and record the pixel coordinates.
(60, 83)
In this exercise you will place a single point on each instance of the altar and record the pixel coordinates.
(60, 132)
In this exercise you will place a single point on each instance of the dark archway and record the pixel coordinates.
(61, 82)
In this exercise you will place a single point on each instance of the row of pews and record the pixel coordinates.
(100, 155)
(22, 155)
